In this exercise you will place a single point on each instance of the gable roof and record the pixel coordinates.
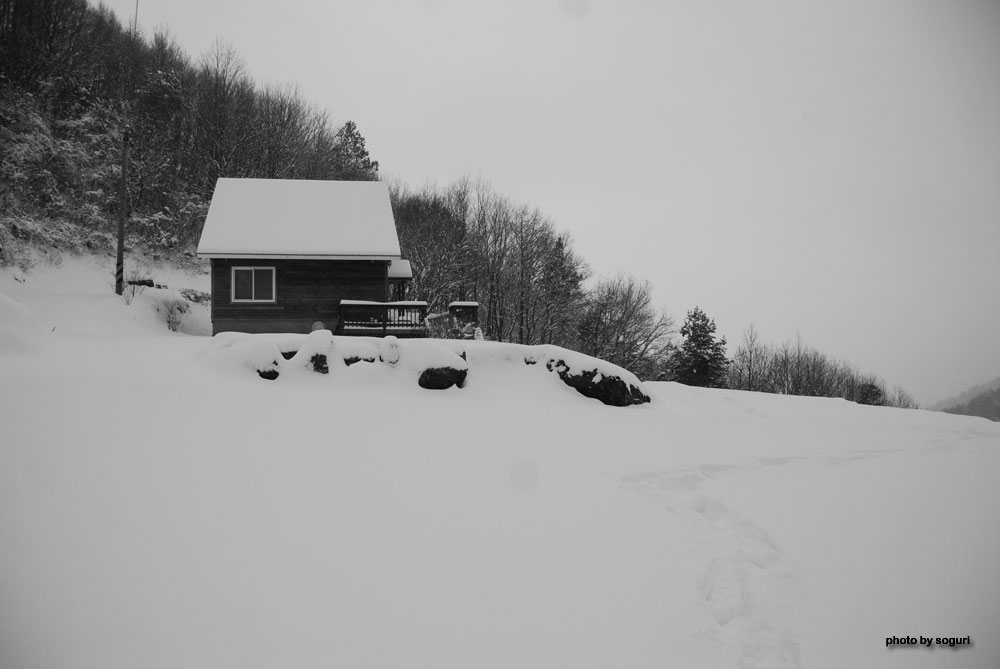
(284, 218)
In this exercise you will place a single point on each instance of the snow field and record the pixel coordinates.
(157, 510)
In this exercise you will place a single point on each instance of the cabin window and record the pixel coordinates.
(253, 284)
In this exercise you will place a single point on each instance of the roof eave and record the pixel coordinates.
(296, 256)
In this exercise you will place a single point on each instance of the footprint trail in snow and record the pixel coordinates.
(747, 565)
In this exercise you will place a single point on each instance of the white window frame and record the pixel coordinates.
(232, 284)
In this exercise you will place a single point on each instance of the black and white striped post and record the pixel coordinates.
(122, 213)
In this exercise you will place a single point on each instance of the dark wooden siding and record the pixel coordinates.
(306, 291)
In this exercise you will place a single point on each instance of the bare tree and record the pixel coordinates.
(225, 110)
(751, 366)
(620, 325)
(433, 236)
(796, 369)
(901, 399)
(468, 242)
(286, 130)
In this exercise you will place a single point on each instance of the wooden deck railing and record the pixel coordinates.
(403, 319)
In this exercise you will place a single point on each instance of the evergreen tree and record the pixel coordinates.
(701, 360)
(352, 155)
(871, 393)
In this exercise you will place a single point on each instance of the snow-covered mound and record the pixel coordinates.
(20, 330)
(431, 363)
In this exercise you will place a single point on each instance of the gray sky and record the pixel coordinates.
(824, 168)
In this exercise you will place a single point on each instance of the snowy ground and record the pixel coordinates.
(158, 512)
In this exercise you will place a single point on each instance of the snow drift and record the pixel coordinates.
(20, 330)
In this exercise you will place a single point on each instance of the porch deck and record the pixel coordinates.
(379, 319)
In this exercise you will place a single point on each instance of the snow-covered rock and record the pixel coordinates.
(236, 350)
(610, 389)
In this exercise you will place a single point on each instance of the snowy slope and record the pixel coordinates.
(158, 511)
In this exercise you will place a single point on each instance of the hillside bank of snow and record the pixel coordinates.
(156, 513)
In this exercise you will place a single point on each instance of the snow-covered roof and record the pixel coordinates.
(283, 218)
(400, 269)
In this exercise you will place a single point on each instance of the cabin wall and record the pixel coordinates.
(306, 291)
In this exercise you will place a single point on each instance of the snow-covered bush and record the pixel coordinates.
(389, 351)
(315, 353)
(169, 304)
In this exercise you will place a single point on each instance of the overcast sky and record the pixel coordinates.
(830, 169)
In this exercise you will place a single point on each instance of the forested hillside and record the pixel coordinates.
(966, 396)
(986, 404)
(74, 81)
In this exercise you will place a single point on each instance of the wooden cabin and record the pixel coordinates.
(293, 256)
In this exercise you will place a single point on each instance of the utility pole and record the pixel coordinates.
(122, 212)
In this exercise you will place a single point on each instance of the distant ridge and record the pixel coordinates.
(966, 396)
